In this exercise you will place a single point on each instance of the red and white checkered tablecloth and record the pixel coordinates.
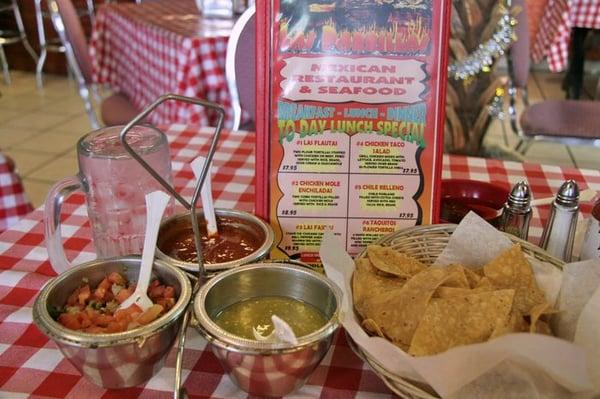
(32, 365)
(164, 46)
(14, 203)
(553, 38)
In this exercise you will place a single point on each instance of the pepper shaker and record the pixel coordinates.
(559, 233)
(516, 213)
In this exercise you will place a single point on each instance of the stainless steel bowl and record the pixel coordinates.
(116, 360)
(260, 368)
(175, 224)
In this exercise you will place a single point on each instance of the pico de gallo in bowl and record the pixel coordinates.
(96, 310)
(79, 311)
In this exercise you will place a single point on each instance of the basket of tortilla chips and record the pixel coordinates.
(426, 310)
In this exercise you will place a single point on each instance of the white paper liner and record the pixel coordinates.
(547, 366)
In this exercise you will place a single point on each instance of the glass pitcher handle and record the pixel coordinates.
(52, 229)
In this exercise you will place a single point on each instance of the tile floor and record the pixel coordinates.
(39, 130)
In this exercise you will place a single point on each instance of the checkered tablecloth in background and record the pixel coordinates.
(32, 365)
(14, 204)
(157, 47)
(553, 37)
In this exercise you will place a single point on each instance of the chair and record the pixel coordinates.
(115, 109)
(52, 45)
(570, 122)
(10, 36)
(240, 68)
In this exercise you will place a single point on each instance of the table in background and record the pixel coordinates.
(164, 46)
(31, 364)
(560, 16)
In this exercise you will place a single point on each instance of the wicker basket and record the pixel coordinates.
(425, 243)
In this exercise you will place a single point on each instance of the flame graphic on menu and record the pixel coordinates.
(413, 36)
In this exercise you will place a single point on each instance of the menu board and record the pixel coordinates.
(350, 98)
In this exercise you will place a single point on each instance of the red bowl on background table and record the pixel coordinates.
(459, 196)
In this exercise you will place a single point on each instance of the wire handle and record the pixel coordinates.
(136, 121)
(179, 390)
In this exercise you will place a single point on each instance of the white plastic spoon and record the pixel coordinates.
(156, 202)
(208, 205)
(584, 196)
(282, 332)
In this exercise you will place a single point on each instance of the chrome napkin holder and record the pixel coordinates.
(179, 391)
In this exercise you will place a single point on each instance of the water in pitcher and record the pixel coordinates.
(116, 185)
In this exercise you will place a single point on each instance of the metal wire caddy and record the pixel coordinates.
(425, 243)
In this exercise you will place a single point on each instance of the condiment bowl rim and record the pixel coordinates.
(262, 251)
(221, 338)
(58, 332)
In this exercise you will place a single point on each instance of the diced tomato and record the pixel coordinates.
(156, 292)
(154, 283)
(69, 320)
(92, 314)
(92, 310)
(84, 319)
(74, 298)
(122, 314)
(128, 314)
(166, 303)
(116, 278)
(100, 293)
(109, 296)
(105, 284)
(169, 292)
(117, 326)
(124, 294)
(84, 294)
(104, 320)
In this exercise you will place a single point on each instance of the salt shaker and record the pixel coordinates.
(516, 212)
(591, 241)
(559, 233)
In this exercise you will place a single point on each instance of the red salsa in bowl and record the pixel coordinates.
(241, 238)
(234, 241)
(460, 196)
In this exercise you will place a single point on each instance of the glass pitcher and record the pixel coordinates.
(114, 185)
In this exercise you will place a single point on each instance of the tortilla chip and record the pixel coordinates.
(366, 281)
(515, 323)
(454, 321)
(446, 292)
(512, 270)
(485, 283)
(457, 277)
(473, 276)
(536, 312)
(541, 327)
(393, 262)
(398, 312)
(372, 327)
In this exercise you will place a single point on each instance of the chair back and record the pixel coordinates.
(519, 54)
(240, 68)
(68, 26)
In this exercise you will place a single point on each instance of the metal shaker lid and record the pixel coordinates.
(520, 196)
(568, 194)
